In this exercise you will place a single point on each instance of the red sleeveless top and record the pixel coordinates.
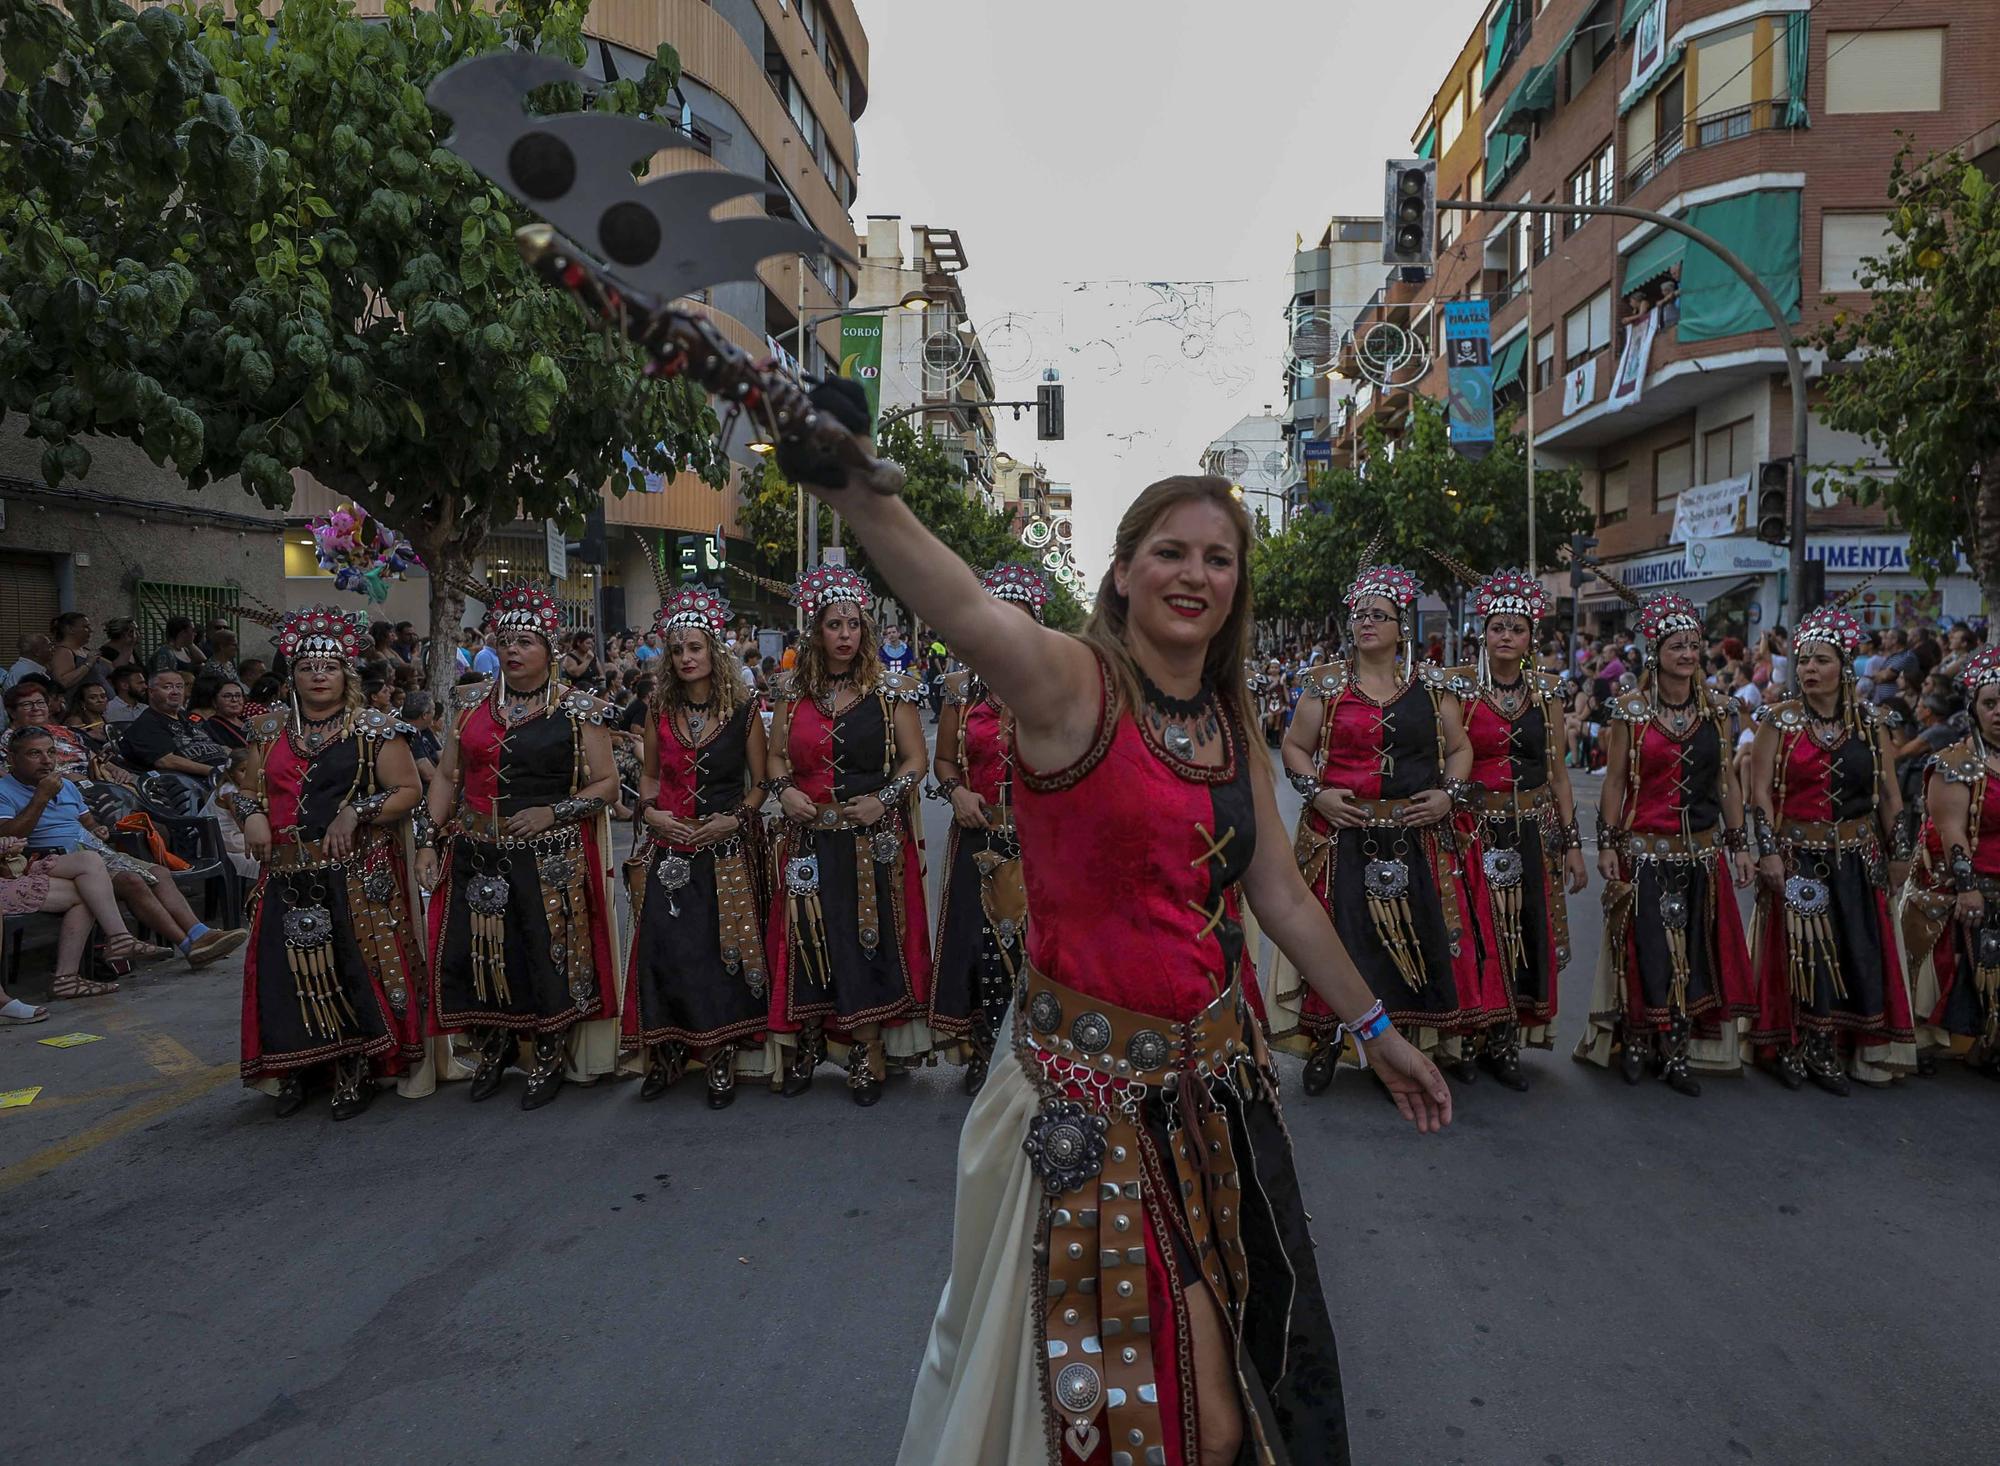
(1127, 855)
(988, 763)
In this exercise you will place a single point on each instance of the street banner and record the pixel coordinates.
(1649, 46)
(1468, 344)
(861, 356)
(1318, 450)
(1631, 376)
(1711, 511)
(1579, 387)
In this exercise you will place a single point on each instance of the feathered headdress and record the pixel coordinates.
(1660, 616)
(514, 605)
(1391, 582)
(685, 605)
(1012, 581)
(1503, 593)
(828, 585)
(1834, 625)
(312, 631)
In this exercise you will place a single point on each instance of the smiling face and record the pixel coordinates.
(688, 654)
(1374, 624)
(1680, 654)
(1181, 580)
(840, 634)
(166, 692)
(1819, 669)
(524, 656)
(1508, 637)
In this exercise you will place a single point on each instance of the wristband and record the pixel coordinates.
(1572, 836)
(1369, 1026)
(896, 790)
(1962, 878)
(1735, 837)
(1763, 840)
(775, 787)
(1464, 793)
(1306, 785)
(365, 810)
(245, 805)
(944, 788)
(576, 809)
(1609, 837)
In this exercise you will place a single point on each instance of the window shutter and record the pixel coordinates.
(1885, 71)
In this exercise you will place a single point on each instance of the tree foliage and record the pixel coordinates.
(1918, 375)
(233, 237)
(1417, 495)
(935, 490)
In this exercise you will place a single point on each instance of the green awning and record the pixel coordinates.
(1633, 10)
(1428, 147)
(1653, 259)
(1535, 96)
(1660, 73)
(1502, 22)
(1504, 152)
(1509, 360)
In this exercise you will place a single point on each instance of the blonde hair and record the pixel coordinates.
(725, 684)
(811, 671)
(1229, 649)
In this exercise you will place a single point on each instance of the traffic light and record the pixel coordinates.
(1049, 412)
(1774, 501)
(1409, 212)
(1580, 546)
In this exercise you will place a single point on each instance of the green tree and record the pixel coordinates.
(235, 239)
(1919, 373)
(936, 492)
(1419, 498)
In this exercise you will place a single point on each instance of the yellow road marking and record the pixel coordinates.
(113, 1091)
(84, 1141)
(168, 1055)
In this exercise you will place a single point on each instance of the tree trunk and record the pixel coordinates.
(447, 544)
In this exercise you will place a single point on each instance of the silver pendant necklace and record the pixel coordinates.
(697, 717)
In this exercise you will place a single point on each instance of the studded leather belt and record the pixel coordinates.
(491, 829)
(1691, 846)
(1096, 1064)
(1827, 834)
(1382, 811)
(1516, 804)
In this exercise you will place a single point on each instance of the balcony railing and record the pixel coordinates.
(1703, 132)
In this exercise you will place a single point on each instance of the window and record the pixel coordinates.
(1606, 174)
(1545, 360)
(1451, 122)
(1844, 241)
(1589, 186)
(1724, 68)
(1615, 494)
(1587, 329)
(1673, 473)
(1885, 71)
(1728, 452)
(1448, 224)
(1670, 117)
(1545, 236)
(1596, 38)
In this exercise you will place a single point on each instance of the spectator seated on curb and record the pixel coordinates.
(50, 812)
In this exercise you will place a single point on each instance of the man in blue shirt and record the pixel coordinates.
(486, 661)
(896, 653)
(49, 811)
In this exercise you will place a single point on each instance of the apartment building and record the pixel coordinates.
(1253, 456)
(1331, 283)
(1770, 124)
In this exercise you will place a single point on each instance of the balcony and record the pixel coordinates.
(1697, 133)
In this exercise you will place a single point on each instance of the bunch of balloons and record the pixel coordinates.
(361, 552)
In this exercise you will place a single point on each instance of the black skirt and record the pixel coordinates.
(970, 972)
(277, 1037)
(681, 986)
(537, 996)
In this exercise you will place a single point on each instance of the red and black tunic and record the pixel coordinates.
(1960, 1008)
(1383, 753)
(352, 916)
(1673, 790)
(833, 758)
(1132, 859)
(970, 970)
(558, 962)
(693, 978)
(1857, 989)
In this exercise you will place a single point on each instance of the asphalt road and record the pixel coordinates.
(1583, 1274)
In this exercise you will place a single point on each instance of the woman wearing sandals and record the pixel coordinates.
(1673, 977)
(521, 925)
(333, 980)
(77, 887)
(1823, 811)
(697, 989)
(849, 944)
(1378, 751)
(981, 911)
(1132, 1274)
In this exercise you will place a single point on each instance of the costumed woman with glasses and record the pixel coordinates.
(849, 942)
(1824, 808)
(982, 912)
(1131, 1269)
(333, 976)
(1673, 978)
(1377, 750)
(1531, 850)
(1951, 903)
(521, 920)
(697, 989)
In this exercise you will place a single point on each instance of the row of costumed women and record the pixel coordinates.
(1439, 831)
(748, 954)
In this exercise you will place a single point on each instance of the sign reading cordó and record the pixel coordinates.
(861, 356)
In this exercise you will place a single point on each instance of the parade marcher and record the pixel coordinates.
(521, 920)
(982, 908)
(333, 977)
(1673, 979)
(849, 943)
(697, 988)
(1377, 749)
(1531, 849)
(1951, 903)
(1824, 808)
(1132, 1276)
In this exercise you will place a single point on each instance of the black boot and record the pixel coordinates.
(664, 1067)
(1677, 1071)
(352, 1089)
(494, 1050)
(545, 1080)
(1320, 1065)
(1823, 1064)
(1635, 1053)
(862, 1085)
(1464, 1066)
(291, 1097)
(1790, 1067)
(722, 1078)
(805, 1059)
(1502, 1058)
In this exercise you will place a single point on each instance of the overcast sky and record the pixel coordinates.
(1083, 148)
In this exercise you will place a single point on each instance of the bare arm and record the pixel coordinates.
(1889, 804)
(80, 664)
(396, 775)
(1763, 772)
(945, 765)
(443, 799)
(1457, 747)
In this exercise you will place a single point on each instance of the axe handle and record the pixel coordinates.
(681, 343)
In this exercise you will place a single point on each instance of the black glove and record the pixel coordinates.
(843, 400)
